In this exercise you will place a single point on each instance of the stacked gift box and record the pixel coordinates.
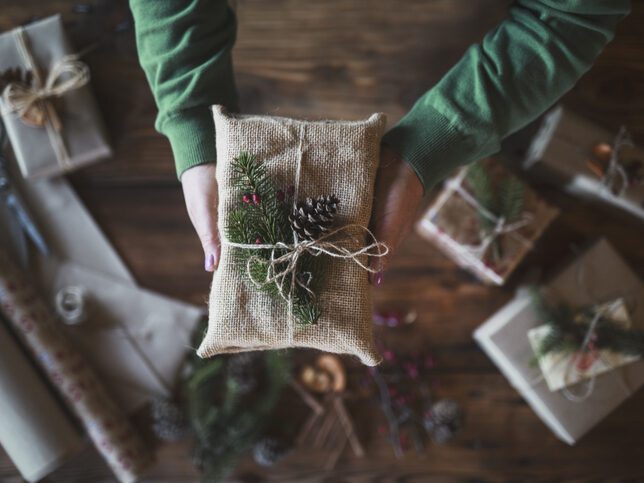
(571, 395)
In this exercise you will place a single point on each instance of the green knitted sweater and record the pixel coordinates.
(519, 70)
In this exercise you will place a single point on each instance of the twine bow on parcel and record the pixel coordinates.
(32, 103)
(282, 268)
(501, 225)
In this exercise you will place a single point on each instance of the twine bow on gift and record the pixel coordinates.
(501, 226)
(32, 102)
(282, 269)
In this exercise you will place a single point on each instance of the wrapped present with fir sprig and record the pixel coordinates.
(572, 347)
(295, 202)
(486, 220)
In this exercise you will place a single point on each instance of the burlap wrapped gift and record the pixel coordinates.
(338, 158)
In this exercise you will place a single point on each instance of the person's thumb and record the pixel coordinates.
(200, 192)
(211, 250)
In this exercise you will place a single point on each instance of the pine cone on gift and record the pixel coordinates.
(312, 218)
(444, 420)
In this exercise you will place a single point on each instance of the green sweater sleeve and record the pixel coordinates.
(185, 50)
(519, 70)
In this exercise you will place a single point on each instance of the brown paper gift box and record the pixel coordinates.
(504, 337)
(454, 225)
(560, 153)
(83, 133)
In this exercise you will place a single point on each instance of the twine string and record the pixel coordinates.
(66, 75)
(501, 224)
(615, 175)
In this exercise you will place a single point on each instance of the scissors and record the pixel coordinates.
(16, 206)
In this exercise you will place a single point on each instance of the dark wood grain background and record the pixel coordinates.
(346, 59)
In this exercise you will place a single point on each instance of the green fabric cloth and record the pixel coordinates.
(519, 70)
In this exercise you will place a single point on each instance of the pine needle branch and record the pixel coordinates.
(503, 201)
(568, 330)
(262, 218)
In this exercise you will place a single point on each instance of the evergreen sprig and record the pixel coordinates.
(568, 330)
(229, 409)
(503, 201)
(261, 217)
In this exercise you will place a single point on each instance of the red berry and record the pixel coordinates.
(256, 199)
(246, 198)
(258, 241)
(279, 195)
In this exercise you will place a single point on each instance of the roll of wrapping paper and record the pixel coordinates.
(35, 431)
(108, 428)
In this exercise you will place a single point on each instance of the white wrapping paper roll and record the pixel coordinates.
(108, 428)
(34, 430)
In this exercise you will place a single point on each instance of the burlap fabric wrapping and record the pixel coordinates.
(334, 157)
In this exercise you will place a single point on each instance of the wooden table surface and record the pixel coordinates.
(341, 59)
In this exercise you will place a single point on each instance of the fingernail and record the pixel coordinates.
(209, 264)
(378, 279)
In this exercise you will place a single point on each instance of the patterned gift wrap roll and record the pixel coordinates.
(108, 428)
(35, 431)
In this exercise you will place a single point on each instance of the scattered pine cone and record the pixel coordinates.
(15, 74)
(444, 420)
(168, 421)
(242, 369)
(312, 218)
(269, 450)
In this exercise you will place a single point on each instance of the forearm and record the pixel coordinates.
(519, 70)
(185, 50)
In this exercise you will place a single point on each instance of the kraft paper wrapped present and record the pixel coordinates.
(47, 106)
(598, 276)
(588, 160)
(486, 220)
